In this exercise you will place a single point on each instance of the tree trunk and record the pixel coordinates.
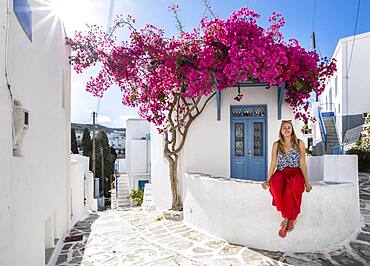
(174, 141)
(176, 198)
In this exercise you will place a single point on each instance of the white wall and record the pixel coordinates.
(137, 150)
(122, 167)
(138, 157)
(207, 147)
(353, 92)
(241, 212)
(161, 186)
(6, 208)
(35, 186)
(80, 188)
(136, 129)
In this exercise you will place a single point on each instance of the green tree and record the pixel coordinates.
(113, 153)
(73, 142)
(86, 143)
(103, 154)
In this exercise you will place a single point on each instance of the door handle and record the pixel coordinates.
(249, 154)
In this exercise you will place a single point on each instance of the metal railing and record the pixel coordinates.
(339, 149)
(330, 108)
(322, 126)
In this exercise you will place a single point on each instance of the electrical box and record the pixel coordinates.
(20, 124)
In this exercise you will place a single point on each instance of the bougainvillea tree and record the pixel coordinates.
(171, 80)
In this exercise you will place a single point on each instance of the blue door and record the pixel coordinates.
(248, 142)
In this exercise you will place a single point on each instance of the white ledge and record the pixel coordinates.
(241, 212)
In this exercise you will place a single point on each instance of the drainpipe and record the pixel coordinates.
(347, 78)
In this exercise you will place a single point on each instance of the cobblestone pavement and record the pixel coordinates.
(134, 237)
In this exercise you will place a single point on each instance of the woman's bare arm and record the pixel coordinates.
(303, 165)
(273, 161)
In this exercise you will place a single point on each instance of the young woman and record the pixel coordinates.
(290, 179)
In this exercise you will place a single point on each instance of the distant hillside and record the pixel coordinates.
(80, 127)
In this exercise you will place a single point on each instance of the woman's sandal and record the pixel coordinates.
(291, 225)
(283, 229)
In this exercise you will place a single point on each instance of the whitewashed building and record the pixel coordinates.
(117, 139)
(138, 152)
(224, 161)
(133, 171)
(347, 94)
(35, 161)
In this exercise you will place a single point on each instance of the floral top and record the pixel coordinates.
(290, 160)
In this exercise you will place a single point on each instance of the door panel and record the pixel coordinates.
(258, 158)
(248, 143)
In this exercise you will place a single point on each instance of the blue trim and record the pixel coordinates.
(116, 184)
(218, 101)
(248, 142)
(322, 126)
(253, 84)
(23, 13)
(141, 184)
(327, 114)
(281, 91)
(337, 150)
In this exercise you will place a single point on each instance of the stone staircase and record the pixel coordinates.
(331, 133)
(123, 190)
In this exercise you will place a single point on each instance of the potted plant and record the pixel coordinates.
(305, 129)
(137, 196)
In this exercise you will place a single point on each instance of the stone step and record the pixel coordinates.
(120, 191)
(120, 202)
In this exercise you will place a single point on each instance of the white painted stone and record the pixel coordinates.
(314, 168)
(81, 188)
(241, 212)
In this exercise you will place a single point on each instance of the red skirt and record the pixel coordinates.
(286, 188)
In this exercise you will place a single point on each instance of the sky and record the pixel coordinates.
(331, 20)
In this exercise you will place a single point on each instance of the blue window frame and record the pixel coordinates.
(23, 13)
(141, 184)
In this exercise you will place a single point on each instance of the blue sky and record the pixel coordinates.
(331, 20)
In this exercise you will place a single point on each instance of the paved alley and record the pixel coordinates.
(134, 237)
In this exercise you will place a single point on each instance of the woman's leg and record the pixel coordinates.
(292, 196)
(277, 185)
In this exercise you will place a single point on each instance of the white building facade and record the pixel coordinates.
(347, 93)
(211, 145)
(138, 152)
(117, 139)
(35, 160)
(224, 161)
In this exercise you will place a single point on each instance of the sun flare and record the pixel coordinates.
(71, 12)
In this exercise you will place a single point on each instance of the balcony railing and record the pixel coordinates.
(322, 127)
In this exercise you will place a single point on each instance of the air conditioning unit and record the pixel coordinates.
(20, 124)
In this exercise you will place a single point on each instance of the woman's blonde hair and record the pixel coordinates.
(294, 139)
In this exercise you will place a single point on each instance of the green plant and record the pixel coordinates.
(159, 217)
(363, 158)
(358, 143)
(137, 195)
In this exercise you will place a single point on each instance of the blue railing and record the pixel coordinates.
(337, 150)
(322, 126)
